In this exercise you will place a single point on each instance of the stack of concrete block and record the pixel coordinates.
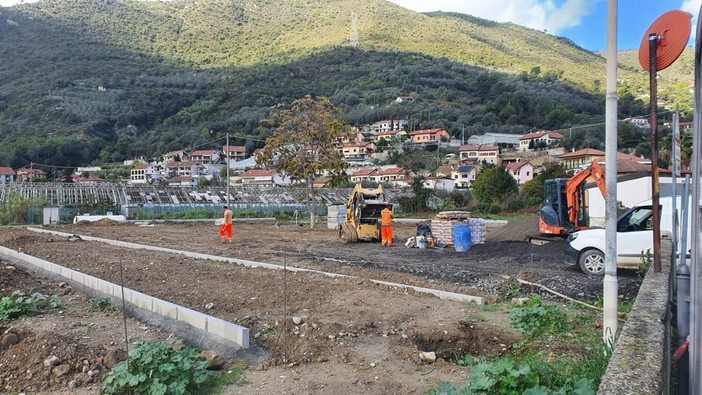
(442, 230)
(335, 216)
(478, 230)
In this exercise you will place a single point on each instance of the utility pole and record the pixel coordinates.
(354, 32)
(226, 160)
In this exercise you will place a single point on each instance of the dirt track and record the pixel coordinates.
(347, 325)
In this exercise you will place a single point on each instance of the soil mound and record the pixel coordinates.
(516, 230)
(105, 222)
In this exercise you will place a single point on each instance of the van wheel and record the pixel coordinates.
(592, 262)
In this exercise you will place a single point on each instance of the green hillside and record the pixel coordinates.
(83, 81)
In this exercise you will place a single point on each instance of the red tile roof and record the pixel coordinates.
(258, 173)
(364, 172)
(203, 152)
(518, 165)
(234, 148)
(427, 131)
(6, 171)
(474, 147)
(541, 133)
(583, 152)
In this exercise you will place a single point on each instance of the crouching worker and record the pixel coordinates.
(225, 230)
(386, 225)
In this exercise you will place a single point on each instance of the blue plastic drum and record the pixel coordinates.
(461, 237)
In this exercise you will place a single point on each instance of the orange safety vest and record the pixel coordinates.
(386, 217)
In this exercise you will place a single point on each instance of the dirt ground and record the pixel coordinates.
(351, 336)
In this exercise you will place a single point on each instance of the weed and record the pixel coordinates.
(54, 302)
(535, 319)
(509, 290)
(157, 368)
(645, 264)
(103, 304)
(17, 305)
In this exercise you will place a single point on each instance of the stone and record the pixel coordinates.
(81, 378)
(52, 361)
(85, 369)
(297, 320)
(209, 306)
(93, 372)
(214, 360)
(9, 339)
(429, 357)
(519, 301)
(73, 384)
(114, 357)
(61, 370)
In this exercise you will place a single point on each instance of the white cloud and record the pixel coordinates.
(9, 3)
(693, 7)
(537, 14)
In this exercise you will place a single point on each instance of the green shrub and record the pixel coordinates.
(157, 368)
(535, 319)
(17, 305)
(103, 304)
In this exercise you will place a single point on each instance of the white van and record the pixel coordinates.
(634, 237)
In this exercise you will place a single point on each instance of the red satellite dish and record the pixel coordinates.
(673, 28)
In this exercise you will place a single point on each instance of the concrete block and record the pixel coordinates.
(237, 334)
(166, 309)
(90, 282)
(142, 301)
(192, 317)
(78, 277)
(104, 287)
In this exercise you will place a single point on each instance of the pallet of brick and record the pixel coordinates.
(453, 215)
(478, 230)
(442, 230)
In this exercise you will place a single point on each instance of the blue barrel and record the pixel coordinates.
(461, 237)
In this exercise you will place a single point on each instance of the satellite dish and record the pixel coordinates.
(673, 30)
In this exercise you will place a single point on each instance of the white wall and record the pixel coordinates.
(629, 193)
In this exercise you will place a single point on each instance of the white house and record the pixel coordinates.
(463, 176)
(521, 171)
(480, 153)
(144, 174)
(538, 140)
(442, 183)
(7, 175)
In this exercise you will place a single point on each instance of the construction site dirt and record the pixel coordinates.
(322, 334)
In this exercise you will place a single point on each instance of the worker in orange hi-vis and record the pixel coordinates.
(386, 226)
(225, 230)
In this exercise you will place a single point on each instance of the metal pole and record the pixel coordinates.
(226, 160)
(653, 85)
(611, 284)
(682, 297)
(695, 294)
(674, 179)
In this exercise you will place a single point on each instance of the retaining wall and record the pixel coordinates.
(639, 364)
(203, 330)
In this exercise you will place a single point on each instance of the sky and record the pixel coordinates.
(583, 21)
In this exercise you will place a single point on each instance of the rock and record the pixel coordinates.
(61, 370)
(9, 339)
(81, 378)
(85, 369)
(209, 306)
(73, 384)
(93, 372)
(214, 360)
(114, 357)
(429, 357)
(519, 301)
(52, 361)
(297, 320)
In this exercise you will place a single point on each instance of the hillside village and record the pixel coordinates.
(366, 150)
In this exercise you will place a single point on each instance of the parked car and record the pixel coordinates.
(585, 248)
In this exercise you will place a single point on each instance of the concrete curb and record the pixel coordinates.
(204, 330)
(444, 295)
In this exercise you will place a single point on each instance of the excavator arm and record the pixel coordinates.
(574, 201)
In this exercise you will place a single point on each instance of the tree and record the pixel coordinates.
(494, 184)
(304, 142)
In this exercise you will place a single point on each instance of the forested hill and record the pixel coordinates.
(88, 80)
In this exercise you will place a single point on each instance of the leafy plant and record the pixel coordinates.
(535, 319)
(505, 375)
(644, 265)
(17, 305)
(158, 368)
(103, 304)
(54, 302)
